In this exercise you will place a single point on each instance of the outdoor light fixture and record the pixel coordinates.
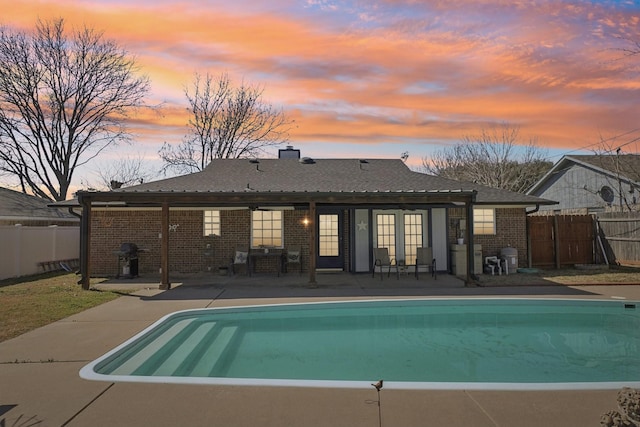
(305, 222)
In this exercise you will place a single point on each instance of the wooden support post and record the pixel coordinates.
(470, 245)
(85, 243)
(313, 230)
(556, 240)
(164, 248)
(529, 256)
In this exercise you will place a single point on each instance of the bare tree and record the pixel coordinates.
(63, 99)
(226, 122)
(124, 172)
(630, 48)
(495, 158)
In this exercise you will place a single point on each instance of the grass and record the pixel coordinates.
(31, 302)
(614, 275)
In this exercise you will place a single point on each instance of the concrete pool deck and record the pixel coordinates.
(39, 378)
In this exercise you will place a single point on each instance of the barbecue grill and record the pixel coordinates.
(128, 256)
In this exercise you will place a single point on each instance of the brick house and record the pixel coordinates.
(335, 210)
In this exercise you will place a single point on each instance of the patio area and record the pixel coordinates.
(40, 381)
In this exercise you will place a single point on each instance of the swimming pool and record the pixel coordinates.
(410, 344)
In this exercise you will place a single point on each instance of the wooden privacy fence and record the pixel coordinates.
(561, 240)
(620, 236)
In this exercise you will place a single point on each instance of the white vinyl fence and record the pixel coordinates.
(23, 249)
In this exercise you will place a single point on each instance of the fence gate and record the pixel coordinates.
(541, 240)
(561, 240)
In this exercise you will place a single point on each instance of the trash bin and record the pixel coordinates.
(510, 255)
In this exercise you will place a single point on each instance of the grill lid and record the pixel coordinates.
(129, 248)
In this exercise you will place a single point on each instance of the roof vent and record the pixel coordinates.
(363, 162)
(307, 161)
(255, 162)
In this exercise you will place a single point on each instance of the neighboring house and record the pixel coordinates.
(34, 236)
(20, 208)
(591, 183)
(335, 210)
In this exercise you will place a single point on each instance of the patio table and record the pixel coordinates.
(256, 255)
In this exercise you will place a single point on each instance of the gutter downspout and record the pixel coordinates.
(537, 208)
(74, 213)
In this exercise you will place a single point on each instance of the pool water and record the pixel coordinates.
(434, 343)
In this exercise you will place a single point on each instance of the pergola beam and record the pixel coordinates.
(310, 200)
(189, 199)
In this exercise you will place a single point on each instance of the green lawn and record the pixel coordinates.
(27, 303)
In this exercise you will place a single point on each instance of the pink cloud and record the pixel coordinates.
(398, 71)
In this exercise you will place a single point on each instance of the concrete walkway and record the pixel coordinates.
(39, 382)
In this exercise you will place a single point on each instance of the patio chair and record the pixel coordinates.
(382, 259)
(293, 257)
(240, 258)
(493, 264)
(424, 258)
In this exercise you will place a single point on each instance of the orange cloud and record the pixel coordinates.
(401, 73)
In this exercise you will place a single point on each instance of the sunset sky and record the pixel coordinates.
(381, 77)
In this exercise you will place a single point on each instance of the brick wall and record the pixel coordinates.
(190, 251)
(296, 233)
(511, 230)
(111, 228)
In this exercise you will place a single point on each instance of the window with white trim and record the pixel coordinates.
(386, 233)
(328, 235)
(266, 229)
(211, 223)
(484, 221)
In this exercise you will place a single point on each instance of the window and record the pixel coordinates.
(211, 223)
(412, 237)
(266, 229)
(387, 233)
(484, 221)
(328, 238)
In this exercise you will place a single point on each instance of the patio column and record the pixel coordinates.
(470, 249)
(85, 243)
(164, 248)
(313, 226)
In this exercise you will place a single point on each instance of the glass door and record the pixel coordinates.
(330, 241)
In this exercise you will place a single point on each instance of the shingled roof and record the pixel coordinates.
(17, 206)
(323, 175)
(627, 165)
